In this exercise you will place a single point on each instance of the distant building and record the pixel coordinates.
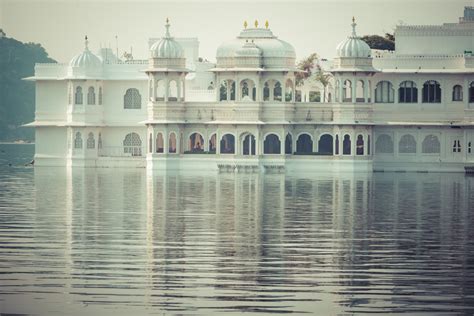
(409, 109)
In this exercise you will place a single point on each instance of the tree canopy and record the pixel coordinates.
(307, 64)
(17, 97)
(380, 42)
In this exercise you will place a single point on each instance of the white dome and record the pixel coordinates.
(263, 39)
(249, 49)
(353, 46)
(86, 59)
(167, 47)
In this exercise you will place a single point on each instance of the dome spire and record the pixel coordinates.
(86, 43)
(354, 27)
(167, 25)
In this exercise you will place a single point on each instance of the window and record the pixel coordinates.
(78, 141)
(196, 142)
(408, 92)
(384, 92)
(289, 91)
(469, 147)
(384, 144)
(172, 143)
(132, 99)
(223, 91)
(457, 93)
(248, 145)
(407, 144)
(132, 144)
(277, 91)
(90, 141)
(325, 145)
(271, 145)
(430, 145)
(304, 144)
(100, 95)
(266, 92)
(159, 143)
(360, 95)
(212, 144)
(346, 145)
(431, 92)
(91, 96)
(360, 145)
(78, 96)
(471, 92)
(228, 144)
(347, 91)
(456, 146)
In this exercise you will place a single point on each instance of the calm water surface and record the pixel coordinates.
(111, 241)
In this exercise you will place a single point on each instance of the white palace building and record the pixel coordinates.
(407, 110)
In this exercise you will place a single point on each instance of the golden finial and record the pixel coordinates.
(266, 24)
(256, 23)
(245, 24)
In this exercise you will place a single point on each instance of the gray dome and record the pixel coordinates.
(353, 46)
(167, 47)
(249, 49)
(86, 58)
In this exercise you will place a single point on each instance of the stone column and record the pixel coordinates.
(354, 89)
(167, 88)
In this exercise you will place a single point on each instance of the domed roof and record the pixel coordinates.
(268, 44)
(86, 58)
(353, 46)
(249, 49)
(167, 47)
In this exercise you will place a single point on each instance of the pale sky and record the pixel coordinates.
(310, 26)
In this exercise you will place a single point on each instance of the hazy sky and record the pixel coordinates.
(310, 26)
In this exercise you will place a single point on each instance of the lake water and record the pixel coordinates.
(124, 241)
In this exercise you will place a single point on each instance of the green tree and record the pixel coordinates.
(379, 42)
(306, 65)
(17, 96)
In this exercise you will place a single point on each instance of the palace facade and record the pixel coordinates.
(411, 109)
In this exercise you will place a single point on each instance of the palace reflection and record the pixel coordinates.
(247, 242)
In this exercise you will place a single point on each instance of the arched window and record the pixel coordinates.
(173, 91)
(271, 145)
(360, 95)
(346, 145)
(172, 143)
(407, 144)
(289, 91)
(457, 93)
(90, 141)
(384, 92)
(266, 92)
(160, 146)
(347, 91)
(132, 145)
(228, 144)
(325, 144)
(360, 145)
(91, 96)
(288, 144)
(100, 95)
(150, 143)
(248, 145)
(213, 144)
(196, 143)
(78, 96)
(277, 91)
(430, 145)
(78, 141)
(384, 144)
(132, 99)
(471, 92)
(408, 92)
(223, 91)
(245, 89)
(160, 90)
(431, 92)
(304, 144)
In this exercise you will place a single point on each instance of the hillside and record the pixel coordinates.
(17, 97)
